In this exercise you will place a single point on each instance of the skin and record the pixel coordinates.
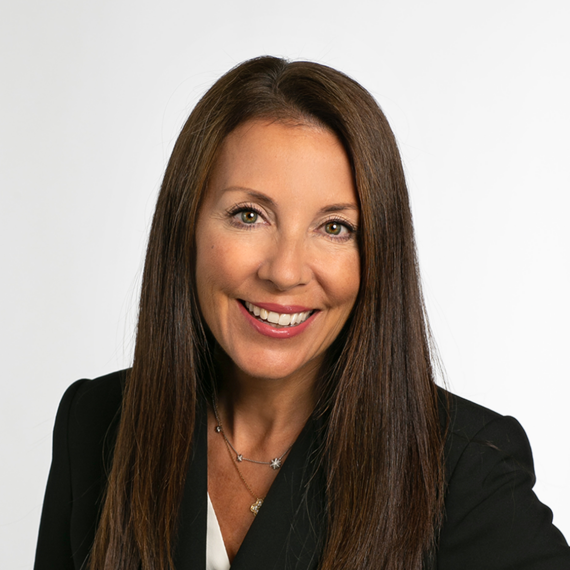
(276, 226)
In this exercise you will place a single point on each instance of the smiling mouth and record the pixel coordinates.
(277, 319)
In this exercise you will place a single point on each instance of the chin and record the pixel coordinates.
(274, 368)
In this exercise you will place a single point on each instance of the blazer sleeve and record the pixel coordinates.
(54, 540)
(493, 518)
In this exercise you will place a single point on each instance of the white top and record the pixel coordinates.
(216, 555)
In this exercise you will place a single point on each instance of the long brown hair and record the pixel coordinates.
(382, 453)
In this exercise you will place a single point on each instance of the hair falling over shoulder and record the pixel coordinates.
(382, 455)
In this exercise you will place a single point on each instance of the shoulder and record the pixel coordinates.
(91, 422)
(88, 417)
(493, 519)
(470, 427)
(92, 405)
(91, 398)
(83, 443)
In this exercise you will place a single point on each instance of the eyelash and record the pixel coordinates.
(239, 208)
(351, 228)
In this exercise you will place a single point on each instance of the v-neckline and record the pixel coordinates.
(289, 528)
(216, 553)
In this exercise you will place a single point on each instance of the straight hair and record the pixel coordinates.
(382, 452)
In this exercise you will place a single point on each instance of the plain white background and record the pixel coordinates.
(93, 95)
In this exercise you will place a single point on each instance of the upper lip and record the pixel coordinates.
(277, 308)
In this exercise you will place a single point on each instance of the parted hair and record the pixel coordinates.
(381, 458)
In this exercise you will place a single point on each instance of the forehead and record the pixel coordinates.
(272, 157)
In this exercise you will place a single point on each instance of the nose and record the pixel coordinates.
(286, 264)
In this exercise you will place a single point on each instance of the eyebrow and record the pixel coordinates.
(261, 197)
(339, 208)
(254, 194)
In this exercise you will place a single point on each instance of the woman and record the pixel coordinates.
(281, 410)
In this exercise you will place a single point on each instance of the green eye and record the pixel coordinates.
(333, 228)
(249, 217)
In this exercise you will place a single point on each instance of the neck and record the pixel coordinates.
(264, 415)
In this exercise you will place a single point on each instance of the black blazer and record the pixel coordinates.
(493, 519)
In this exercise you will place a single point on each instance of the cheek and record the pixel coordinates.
(222, 265)
(343, 281)
(206, 272)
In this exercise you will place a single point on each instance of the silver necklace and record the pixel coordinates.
(275, 463)
(258, 502)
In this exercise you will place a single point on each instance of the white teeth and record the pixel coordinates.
(281, 319)
(284, 319)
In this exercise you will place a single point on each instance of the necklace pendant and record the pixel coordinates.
(256, 506)
(239, 457)
(275, 463)
(218, 429)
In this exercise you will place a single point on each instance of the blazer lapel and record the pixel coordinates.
(190, 550)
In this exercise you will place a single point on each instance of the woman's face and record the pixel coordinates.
(277, 266)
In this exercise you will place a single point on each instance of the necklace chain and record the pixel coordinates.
(254, 508)
(275, 463)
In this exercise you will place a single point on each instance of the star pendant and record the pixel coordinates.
(275, 463)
